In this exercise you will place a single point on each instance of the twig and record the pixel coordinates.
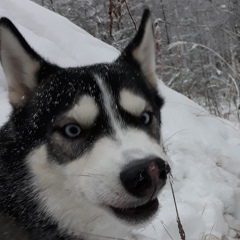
(180, 227)
(175, 44)
(129, 13)
(111, 7)
(117, 11)
(174, 135)
(167, 231)
(212, 229)
(204, 208)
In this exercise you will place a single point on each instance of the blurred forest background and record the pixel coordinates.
(197, 42)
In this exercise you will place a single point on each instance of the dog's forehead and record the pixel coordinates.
(95, 86)
(64, 88)
(75, 82)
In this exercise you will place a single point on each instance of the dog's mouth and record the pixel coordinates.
(137, 214)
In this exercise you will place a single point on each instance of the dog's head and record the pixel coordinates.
(91, 135)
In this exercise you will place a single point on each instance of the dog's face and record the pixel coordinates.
(92, 133)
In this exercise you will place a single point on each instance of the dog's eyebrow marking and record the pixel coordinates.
(85, 111)
(131, 102)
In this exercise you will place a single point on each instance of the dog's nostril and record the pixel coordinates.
(136, 180)
(162, 174)
(143, 181)
(167, 168)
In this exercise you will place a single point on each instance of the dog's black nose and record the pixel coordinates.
(145, 177)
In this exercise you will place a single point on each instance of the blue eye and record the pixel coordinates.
(72, 130)
(146, 118)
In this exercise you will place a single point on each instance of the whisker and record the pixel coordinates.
(86, 175)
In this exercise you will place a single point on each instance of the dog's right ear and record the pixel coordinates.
(19, 61)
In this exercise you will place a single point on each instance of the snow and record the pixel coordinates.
(204, 150)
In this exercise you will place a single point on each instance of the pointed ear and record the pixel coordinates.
(19, 61)
(142, 48)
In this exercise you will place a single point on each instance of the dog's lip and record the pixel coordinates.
(137, 214)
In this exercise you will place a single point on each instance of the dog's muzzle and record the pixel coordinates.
(143, 179)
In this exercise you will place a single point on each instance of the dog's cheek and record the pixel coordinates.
(98, 172)
(73, 176)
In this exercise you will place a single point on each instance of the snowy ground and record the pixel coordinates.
(204, 150)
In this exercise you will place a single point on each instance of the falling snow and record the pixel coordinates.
(204, 150)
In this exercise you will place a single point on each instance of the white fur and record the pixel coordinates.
(85, 111)
(18, 67)
(107, 102)
(132, 103)
(61, 196)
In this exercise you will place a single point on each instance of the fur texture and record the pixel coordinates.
(81, 152)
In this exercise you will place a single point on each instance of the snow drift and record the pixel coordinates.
(204, 149)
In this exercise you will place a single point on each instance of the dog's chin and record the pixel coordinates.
(137, 215)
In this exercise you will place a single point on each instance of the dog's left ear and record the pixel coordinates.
(142, 49)
(19, 61)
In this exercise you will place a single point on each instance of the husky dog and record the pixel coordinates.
(82, 151)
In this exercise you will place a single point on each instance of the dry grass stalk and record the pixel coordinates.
(180, 227)
(117, 11)
(110, 12)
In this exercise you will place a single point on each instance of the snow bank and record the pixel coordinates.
(204, 150)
